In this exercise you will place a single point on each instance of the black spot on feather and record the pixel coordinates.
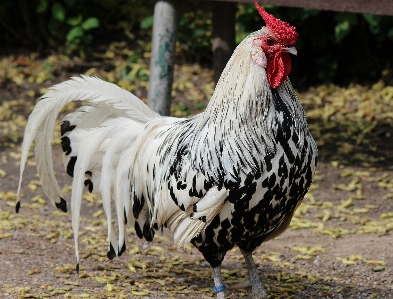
(111, 254)
(138, 230)
(138, 205)
(122, 249)
(222, 237)
(148, 232)
(89, 185)
(213, 225)
(65, 127)
(17, 207)
(268, 163)
(181, 186)
(283, 169)
(207, 185)
(193, 192)
(278, 103)
(295, 138)
(182, 207)
(265, 182)
(272, 181)
(172, 194)
(62, 205)
(70, 166)
(66, 145)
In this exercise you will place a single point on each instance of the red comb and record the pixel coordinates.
(285, 32)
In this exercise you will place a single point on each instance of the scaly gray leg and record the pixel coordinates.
(219, 286)
(258, 291)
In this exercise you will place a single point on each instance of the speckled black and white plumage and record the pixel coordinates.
(231, 176)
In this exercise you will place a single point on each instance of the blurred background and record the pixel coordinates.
(333, 47)
(339, 244)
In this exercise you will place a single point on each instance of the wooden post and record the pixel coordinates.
(162, 57)
(224, 18)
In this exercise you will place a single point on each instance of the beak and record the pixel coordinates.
(291, 50)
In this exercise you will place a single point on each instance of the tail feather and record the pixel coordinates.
(43, 154)
(120, 143)
(102, 146)
(122, 190)
(95, 139)
(37, 128)
(106, 192)
(42, 119)
(90, 146)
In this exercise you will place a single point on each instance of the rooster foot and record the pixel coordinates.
(257, 290)
(219, 286)
(221, 295)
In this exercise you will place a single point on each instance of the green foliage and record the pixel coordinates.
(70, 24)
(333, 47)
(344, 23)
(194, 36)
(375, 22)
(147, 22)
(77, 33)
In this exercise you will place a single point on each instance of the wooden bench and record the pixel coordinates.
(165, 27)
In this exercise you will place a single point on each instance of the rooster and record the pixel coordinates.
(230, 176)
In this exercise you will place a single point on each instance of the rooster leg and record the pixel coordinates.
(219, 286)
(258, 291)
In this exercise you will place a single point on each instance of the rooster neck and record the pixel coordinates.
(240, 95)
(240, 124)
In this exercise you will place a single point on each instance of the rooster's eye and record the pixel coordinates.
(269, 42)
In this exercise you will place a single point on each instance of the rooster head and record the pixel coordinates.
(276, 42)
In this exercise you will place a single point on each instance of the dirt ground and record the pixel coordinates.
(348, 255)
(339, 244)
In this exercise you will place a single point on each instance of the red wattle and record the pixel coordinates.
(278, 68)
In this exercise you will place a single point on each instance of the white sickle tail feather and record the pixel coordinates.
(115, 111)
